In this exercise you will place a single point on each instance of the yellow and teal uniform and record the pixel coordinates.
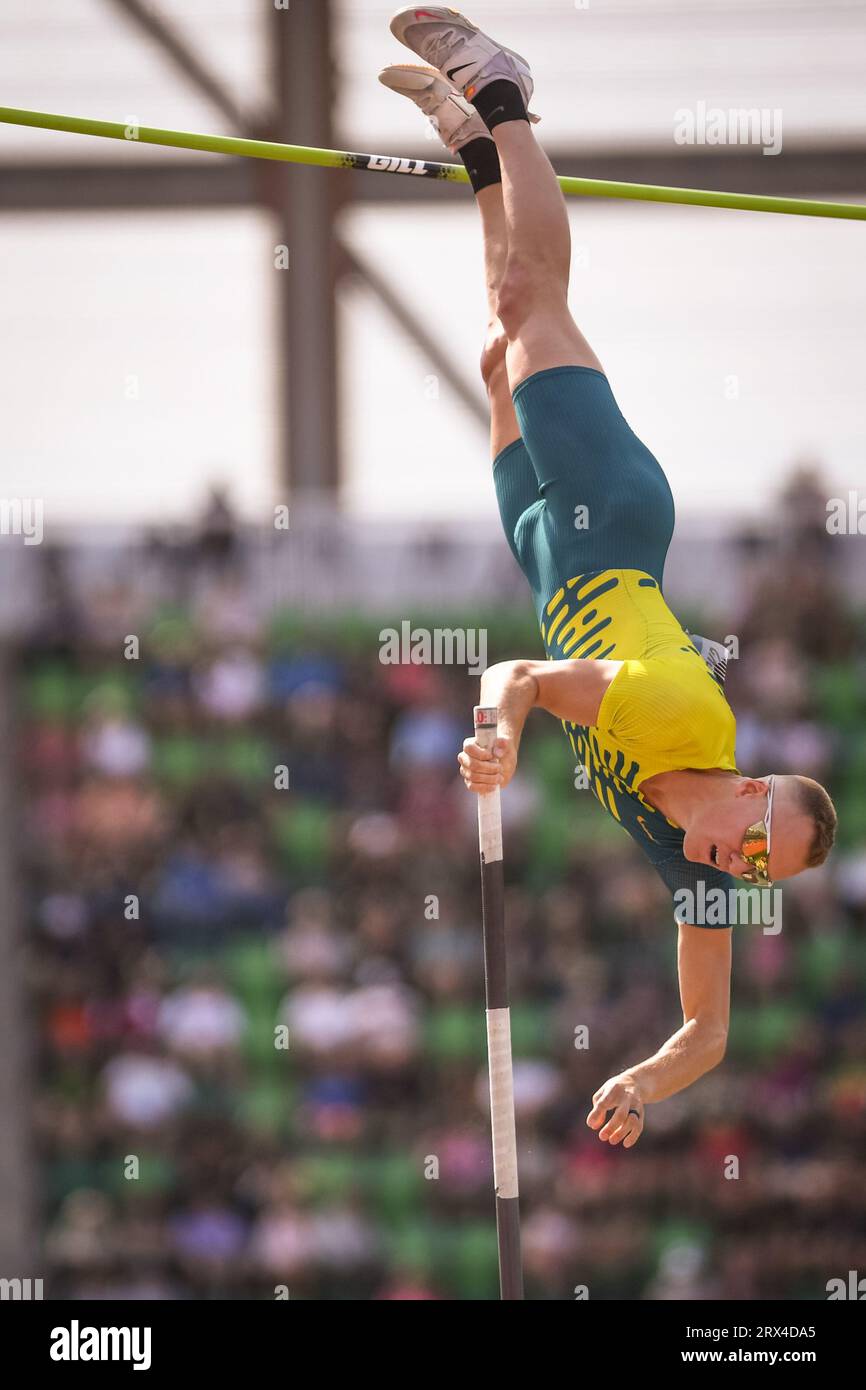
(589, 516)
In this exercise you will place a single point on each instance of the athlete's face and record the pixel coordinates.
(716, 834)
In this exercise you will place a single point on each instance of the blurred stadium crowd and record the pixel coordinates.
(188, 918)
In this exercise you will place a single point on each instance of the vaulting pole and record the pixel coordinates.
(498, 1025)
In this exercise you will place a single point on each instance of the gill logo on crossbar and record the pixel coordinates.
(390, 164)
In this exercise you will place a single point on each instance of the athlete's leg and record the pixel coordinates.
(602, 501)
(504, 429)
(515, 479)
(608, 503)
(533, 303)
(464, 133)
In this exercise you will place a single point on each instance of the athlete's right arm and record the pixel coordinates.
(570, 690)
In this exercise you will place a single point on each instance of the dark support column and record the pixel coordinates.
(16, 1196)
(305, 205)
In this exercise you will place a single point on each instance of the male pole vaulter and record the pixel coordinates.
(645, 715)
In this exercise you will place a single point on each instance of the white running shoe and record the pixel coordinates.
(462, 53)
(455, 119)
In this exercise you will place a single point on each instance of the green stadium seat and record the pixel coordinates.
(302, 836)
(763, 1031)
(258, 1041)
(180, 760)
(839, 690)
(411, 1247)
(251, 969)
(245, 758)
(530, 1030)
(156, 1174)
(471, 1263)
(395, 1185)
(51, 692)
(115, 692)
(329, 1178)
(266, 1106)
(454, 1032)
(62, 1176)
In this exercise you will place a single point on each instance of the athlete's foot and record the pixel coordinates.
(455, 119)
(461, 52)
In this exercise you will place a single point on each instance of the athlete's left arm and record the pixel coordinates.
(704, 963)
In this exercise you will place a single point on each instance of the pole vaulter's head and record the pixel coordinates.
(761, 829)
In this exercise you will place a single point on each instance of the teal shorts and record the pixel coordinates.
(578, 492)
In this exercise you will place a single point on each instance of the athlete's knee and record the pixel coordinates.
(517, 294)
(527, 287)
(493, 355)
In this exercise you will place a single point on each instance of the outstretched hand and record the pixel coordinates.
(625, 1125)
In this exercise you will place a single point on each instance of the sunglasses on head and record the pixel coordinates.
(756, 845)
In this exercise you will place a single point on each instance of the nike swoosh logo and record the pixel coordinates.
(451, 71)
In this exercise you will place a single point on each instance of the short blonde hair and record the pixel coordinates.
(815, 803)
